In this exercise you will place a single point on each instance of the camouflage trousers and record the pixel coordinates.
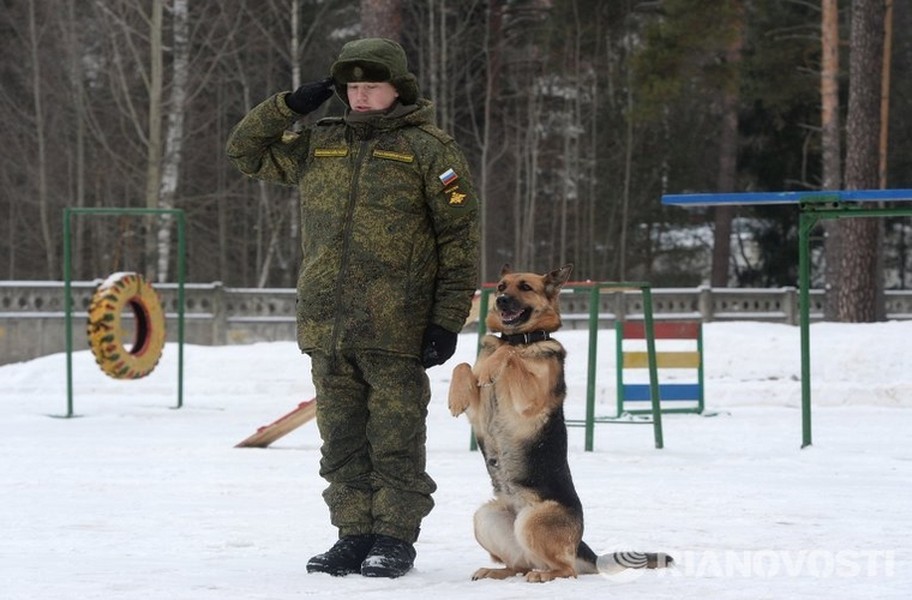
(372, 417)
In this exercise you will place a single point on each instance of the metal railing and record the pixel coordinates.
(32, 312)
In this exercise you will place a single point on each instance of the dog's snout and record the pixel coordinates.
(505, 302)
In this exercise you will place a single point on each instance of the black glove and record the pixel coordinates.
(310, 96)
(438, 345)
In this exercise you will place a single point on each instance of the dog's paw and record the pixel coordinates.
(546, 576)
(487, 573)
(456, 406)
(463, 388)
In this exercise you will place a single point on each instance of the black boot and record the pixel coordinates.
(390, 557)
(344, 558)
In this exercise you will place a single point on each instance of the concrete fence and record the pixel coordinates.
(32, 318)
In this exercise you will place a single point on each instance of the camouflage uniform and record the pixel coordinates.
(390, 244)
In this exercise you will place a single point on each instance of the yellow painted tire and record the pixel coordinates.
(104, 329)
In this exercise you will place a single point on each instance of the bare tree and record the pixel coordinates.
(154, 127)
(174, 135)
(50, 247)
(78, 94)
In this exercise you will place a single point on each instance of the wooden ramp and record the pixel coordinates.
(267, 434)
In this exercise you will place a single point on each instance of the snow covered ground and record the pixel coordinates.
(136, 500)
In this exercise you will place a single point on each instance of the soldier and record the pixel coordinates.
(389, 236)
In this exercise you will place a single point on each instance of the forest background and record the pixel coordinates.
(575, 115)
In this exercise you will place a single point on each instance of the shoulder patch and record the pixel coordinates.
(447, 177)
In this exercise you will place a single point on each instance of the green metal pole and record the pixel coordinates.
(181, 274)
(590, 377)
(483, 302)
(619, 370)
(653, 367)
(68, 310)
(805, 224)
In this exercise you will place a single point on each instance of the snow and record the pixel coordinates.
(135, 499)
(113, 278)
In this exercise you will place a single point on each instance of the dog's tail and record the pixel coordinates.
(616, 562)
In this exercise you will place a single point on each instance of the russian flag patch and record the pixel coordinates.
(448, 177)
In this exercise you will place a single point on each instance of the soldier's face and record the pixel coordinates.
(371, 95)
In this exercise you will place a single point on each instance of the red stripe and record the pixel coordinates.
(663, 330)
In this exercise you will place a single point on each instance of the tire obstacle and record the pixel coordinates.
(105, 328)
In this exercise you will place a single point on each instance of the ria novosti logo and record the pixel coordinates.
(817, 563)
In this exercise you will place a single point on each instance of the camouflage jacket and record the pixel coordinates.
(389, 229)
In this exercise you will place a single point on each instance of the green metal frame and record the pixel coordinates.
(812, 210)
(67, 281)
(619, 353)
(594, 289)
(812, 206)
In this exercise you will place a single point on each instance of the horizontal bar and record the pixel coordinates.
(664, 360)
(896, 195)
(639, 392)
(663, 330)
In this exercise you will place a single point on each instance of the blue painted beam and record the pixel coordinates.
(739, 198)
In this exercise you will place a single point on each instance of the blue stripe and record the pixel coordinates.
(639, 392)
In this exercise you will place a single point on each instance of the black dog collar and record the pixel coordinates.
(517, 339)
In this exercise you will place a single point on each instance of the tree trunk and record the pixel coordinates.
(74, 56)
(625, 197)
(381, 18)
(883, 153)
(154, 148)
(493, 47)
(831, 145)
(50, 245)
(174, 138)
(728, 152)
(859, 274)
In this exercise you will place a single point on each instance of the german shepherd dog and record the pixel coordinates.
(514, 399)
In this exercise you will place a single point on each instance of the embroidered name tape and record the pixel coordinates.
(406, 158)
(324, 152)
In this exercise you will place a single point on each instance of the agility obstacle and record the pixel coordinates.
(680, 361)
(282, 426)
(105, 326)
(812, 207)
(68, 213)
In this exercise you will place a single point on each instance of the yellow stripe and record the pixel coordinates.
(664, 360)
(406, 158)
(330, 152)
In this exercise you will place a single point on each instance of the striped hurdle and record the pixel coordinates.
(679, 364)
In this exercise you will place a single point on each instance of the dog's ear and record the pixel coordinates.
(560, 276)
(555, 279)
(506, 269)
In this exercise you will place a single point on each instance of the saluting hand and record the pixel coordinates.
(310, 96)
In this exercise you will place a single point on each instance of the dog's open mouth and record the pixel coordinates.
(511, 317)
